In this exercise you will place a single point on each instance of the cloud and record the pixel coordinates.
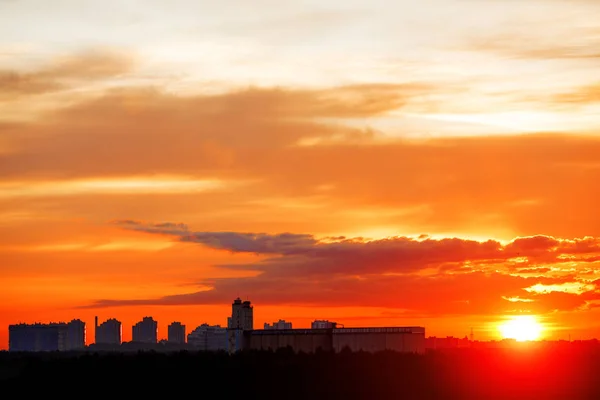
(155, 129)
(394, 272)
(120, 185)
(65, 73)
(524, 45)
(535, 270)
(445, 294)
(476, 185)
(352, 255)
(396, 250)
(589, 94)
(468, 185)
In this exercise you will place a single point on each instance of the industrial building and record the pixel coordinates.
(176, 333)
(108, 332)
(55, 336)
(401, 339)
(409, 339)
(306, 340)
(208, 338)
(145, 331)
(281, 324)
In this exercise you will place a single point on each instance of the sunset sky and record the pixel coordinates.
(375, 163)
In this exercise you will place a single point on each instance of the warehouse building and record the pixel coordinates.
(401, 339)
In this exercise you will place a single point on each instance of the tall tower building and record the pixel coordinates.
(109, 332)
(145, 331)
(242, 315)
(176, 333)
(208, 338)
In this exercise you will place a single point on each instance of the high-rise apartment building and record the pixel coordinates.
(145, 331)
(208, 338)
(176, 333)
(108, 332)
(55, 336)
(75, 339)
(242, 316)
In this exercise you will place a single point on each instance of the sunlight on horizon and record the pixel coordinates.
(521, 328)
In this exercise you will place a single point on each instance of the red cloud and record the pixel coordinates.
(303, 270)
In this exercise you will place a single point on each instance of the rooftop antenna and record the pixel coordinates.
(471, 336)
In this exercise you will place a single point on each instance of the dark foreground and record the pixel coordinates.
(459, 374)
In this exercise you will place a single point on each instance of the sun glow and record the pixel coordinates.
(521, 328)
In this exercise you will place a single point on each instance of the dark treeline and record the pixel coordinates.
(457, 374)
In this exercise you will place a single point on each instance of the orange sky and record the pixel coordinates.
(433, 164)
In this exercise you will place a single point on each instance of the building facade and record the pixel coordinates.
(108, 332)
(176, 333)
(242, 315)
(281, 324)
(145, 331)
(208, 338)
(76, 335)
(55, 336)
(400, 339)
(404, 339)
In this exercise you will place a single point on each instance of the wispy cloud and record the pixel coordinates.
(65, 73)
(124, 185)
(580, 96)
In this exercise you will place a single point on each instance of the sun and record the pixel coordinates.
(521, 328)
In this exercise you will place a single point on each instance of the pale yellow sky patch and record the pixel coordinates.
(125, 185)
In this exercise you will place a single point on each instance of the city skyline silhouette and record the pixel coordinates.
(340, 199)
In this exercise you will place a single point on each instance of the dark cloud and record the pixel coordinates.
(345, 255)
(389, 252)
(303, 270)
(444, 294)
(532, 244)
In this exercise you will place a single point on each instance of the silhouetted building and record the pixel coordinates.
(176, 333)
(449, 342)
(36, 337)
(322, 324)
(75, 335)
(108, 332)
(235, 340)
(145, 331)
(281, 324)
(242, 316)
(208, 338)
(55, 336)
(401, 339)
